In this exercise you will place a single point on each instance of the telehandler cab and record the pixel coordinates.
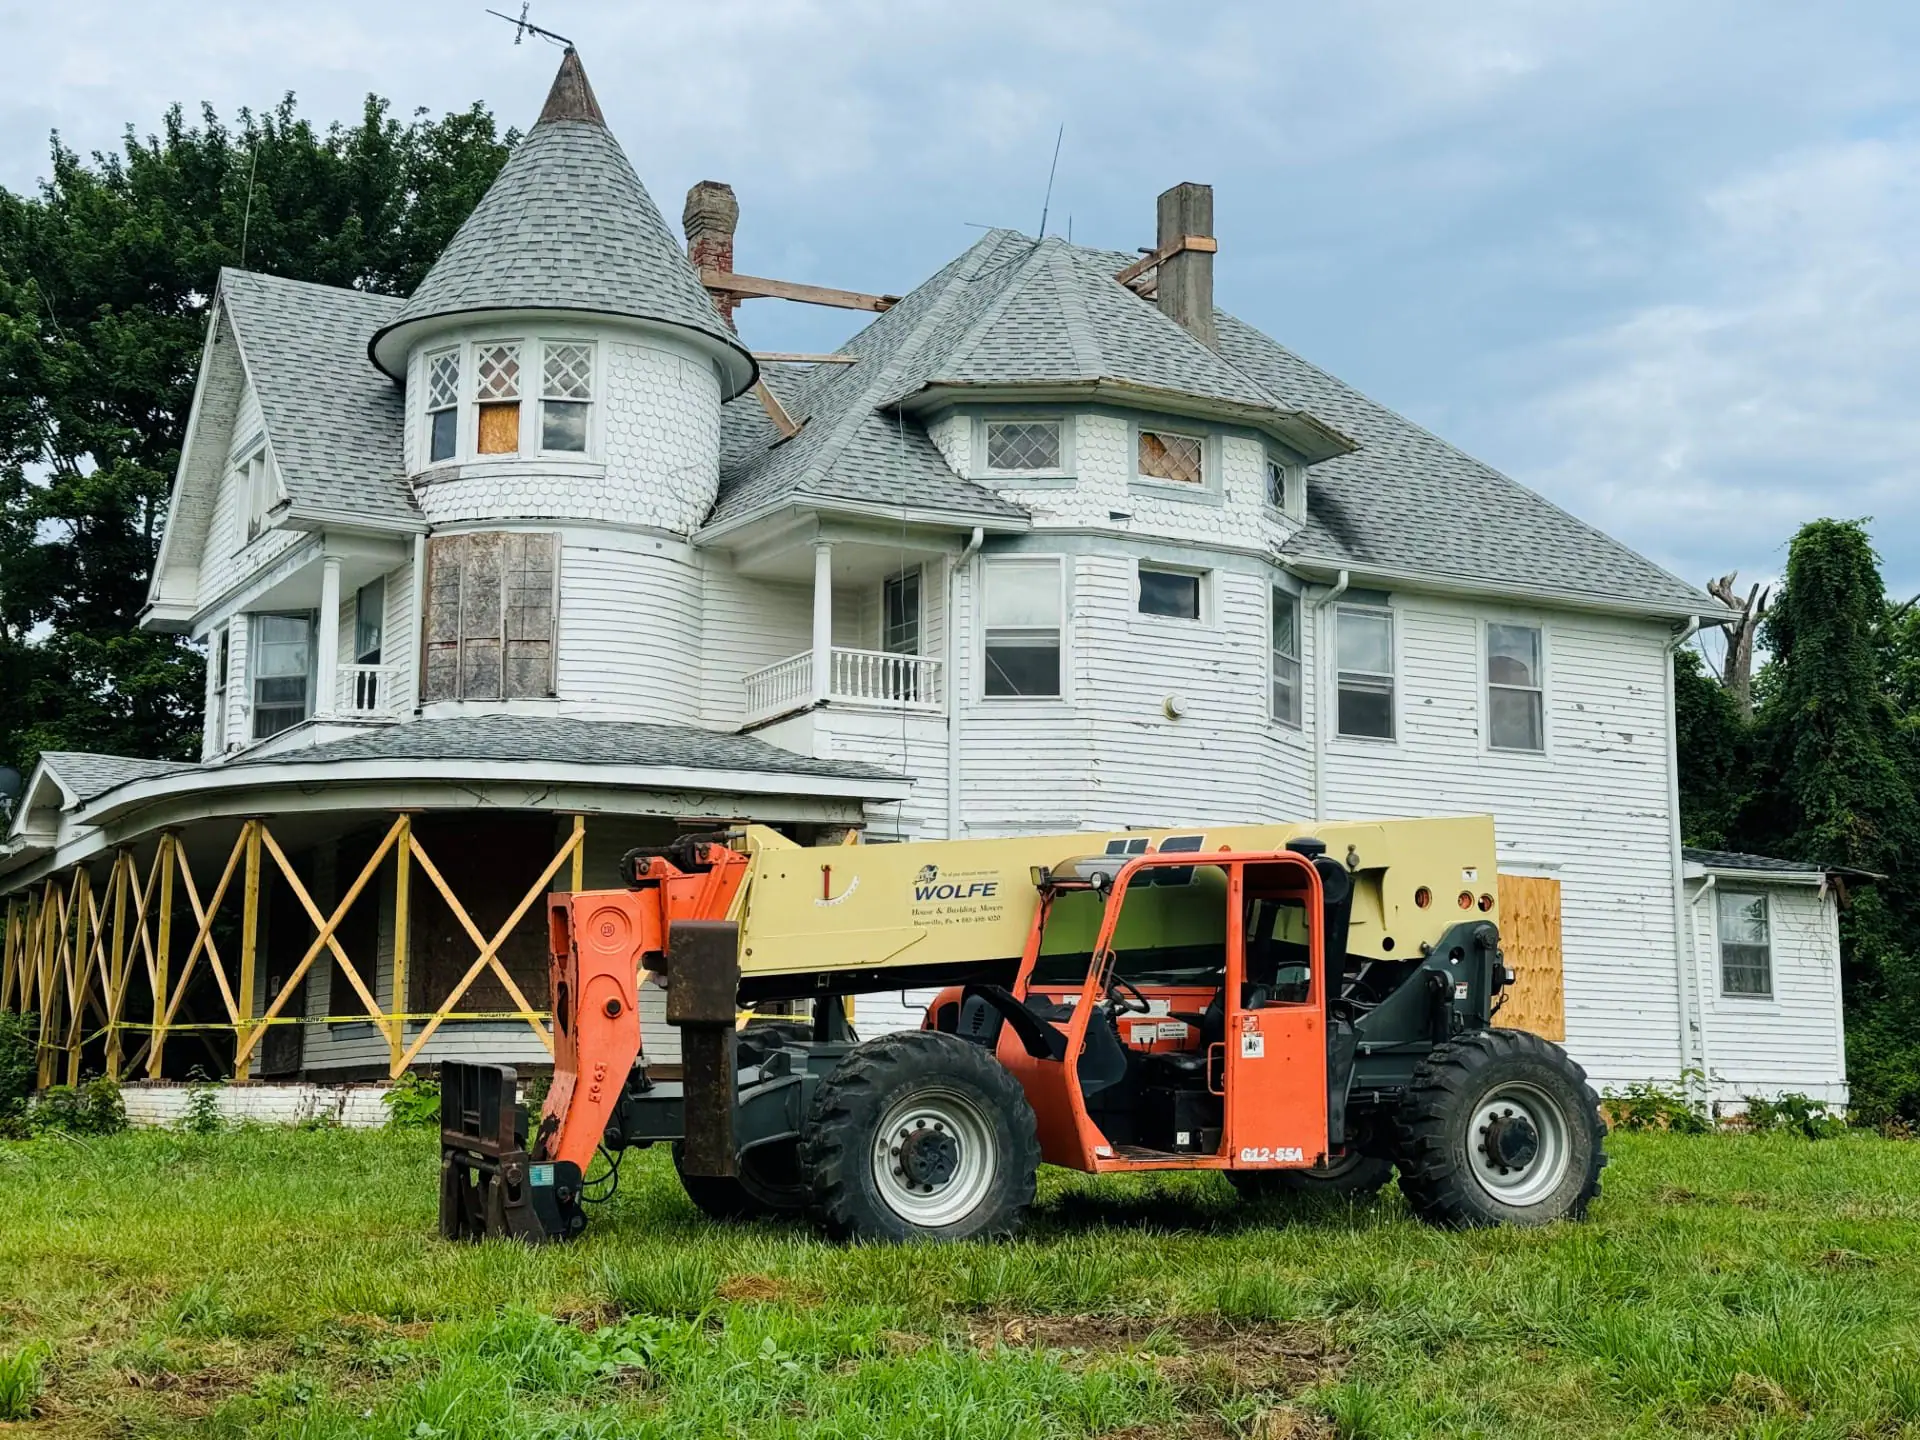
(1293, 1006)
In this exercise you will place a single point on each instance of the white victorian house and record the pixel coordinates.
(1052, 543)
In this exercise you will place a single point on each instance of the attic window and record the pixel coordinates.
(1023, 445)
(1169, 455)
(566, 391)
(256, 482)
(443, 404)
(1276, 484)
(497, 399)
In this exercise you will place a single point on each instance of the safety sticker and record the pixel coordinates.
(1460, 990)
(1173, 1029)
(540, 1174)
(1253, 1045)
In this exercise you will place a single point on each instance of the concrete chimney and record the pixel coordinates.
(709, 219)
(1184, 284)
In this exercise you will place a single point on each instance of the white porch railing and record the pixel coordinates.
(859, 677)
(367, 691)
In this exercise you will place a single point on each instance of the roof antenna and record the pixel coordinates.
(524, 27)
(1047, 203)
(246, 218)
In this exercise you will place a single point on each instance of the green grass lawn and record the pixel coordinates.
(290, 1284)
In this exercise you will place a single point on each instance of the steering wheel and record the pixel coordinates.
(1137, 1005)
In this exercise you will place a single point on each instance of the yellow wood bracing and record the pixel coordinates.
(89, 948)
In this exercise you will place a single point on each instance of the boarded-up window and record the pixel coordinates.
(490, 616)
(1530, 939)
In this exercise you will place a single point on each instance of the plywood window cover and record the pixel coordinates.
(492, 613)
(1529, 917)
(1171, 455)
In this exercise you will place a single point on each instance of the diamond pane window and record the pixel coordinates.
(497, 397)
(443, 404)
(1167, 455)
(1276, 484)
(1020, 445)
(566, 389)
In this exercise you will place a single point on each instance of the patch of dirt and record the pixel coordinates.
(1840, 1258)
(1676, 1195)
(193, 1391)
(754, 1289)
(1283, 1422)
(1184, 1348)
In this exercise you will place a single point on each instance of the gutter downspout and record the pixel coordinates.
(1682, 937)
(1706, 1060)
(1321, 689)
(419, 619)
(954, 567)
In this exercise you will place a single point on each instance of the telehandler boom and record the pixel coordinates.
(1292, 1005)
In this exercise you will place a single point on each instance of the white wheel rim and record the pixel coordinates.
(1534, 1181)
(912, 1122)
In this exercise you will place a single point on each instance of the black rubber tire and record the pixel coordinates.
(851, 1104)
(1353, 1176)
(770, 1183)
(1434, 1148)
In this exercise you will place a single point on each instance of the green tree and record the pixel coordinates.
(105, 278)
(1835, 785)
(1716, 754)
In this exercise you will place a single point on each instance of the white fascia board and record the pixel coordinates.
(163, 557)
(253, 777)
(1386, 578)
(256, 584)
(1697, 871)
(351, 522)
(801, 506)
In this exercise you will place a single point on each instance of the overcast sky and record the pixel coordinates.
(1653, 259)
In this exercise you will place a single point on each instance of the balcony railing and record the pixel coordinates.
(368, 691)
(858, 677)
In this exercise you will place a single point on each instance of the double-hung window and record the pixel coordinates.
(1363, 652)
(1024, 614)
(281, 657)
(1024, 447)
(1286, 658)
(496, 399)
(369, 625)
(566, 395)
(443, 405)
(221, 661)
(1173, 593)
(1746, 945)
(1516, 699)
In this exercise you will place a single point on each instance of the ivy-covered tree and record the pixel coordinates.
(105, 277)
(1835, 784)
(1716, 754)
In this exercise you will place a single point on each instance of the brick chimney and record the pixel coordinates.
(709, 218)
(1184, 284)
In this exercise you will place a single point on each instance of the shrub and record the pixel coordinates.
(1792, 1111)
(19, 1042)
(21, 1380)
(94, 1108)
(1647, 1105)
(202, 1115)
(413, 1103)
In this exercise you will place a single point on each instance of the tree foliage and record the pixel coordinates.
(105, 278)
(1827, 774)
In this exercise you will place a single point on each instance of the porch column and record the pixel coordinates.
(822, 619)
(327, 670)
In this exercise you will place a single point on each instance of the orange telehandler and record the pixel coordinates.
(1293, 1006)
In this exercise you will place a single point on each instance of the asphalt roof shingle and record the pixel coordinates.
(333, 421)
(88, 775)
(567, 225)
(565, 739)
(1758, 864)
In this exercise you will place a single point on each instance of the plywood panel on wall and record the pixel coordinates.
(1530, 938)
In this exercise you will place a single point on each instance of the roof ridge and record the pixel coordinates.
(872, 395)
(1087, 351)
(1024, 267)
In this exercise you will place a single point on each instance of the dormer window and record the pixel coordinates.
(1170, 455)
(1276, 484)
(566, 393)
(443, 404)
(1018, 447)
(497, 399)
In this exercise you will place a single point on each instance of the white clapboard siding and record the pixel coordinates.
(1593, 808)
(630, 626)
(1793, 1039)
(748, 624)
(229, 556)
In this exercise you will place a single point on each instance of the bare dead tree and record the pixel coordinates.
(1736, 670)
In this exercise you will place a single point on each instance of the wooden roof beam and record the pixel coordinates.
(754, 287)
(1205, 244)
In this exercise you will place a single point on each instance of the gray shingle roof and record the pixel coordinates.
(1759, 864)
(334, 422)
(1015, 312)
(89, 775)
(562, 739)
(566, 225)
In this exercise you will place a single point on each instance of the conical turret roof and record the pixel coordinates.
(567, 225)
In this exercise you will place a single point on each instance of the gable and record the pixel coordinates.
(219, 390)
